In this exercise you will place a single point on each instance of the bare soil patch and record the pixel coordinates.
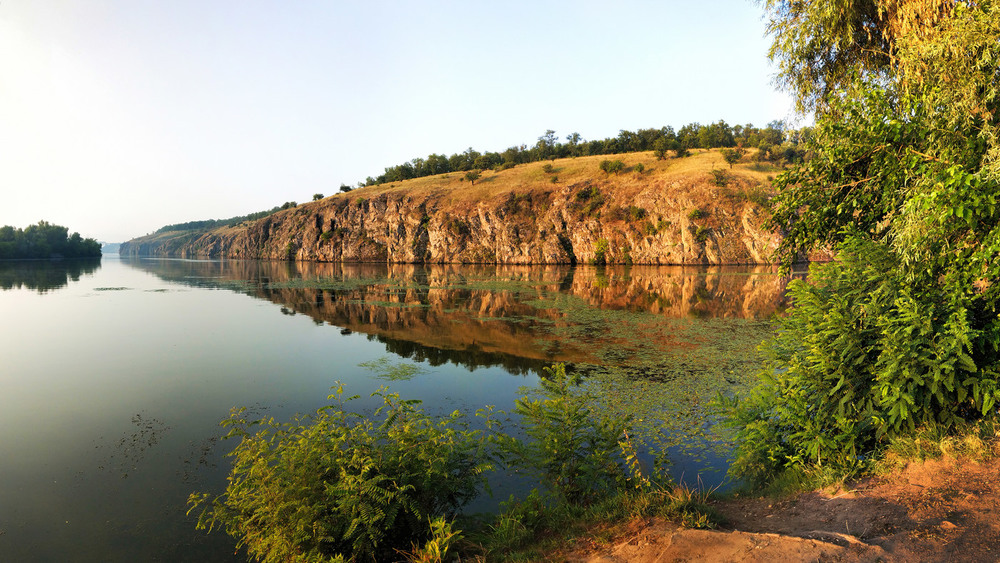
(934, 511)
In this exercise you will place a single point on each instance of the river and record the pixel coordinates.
(115, 374)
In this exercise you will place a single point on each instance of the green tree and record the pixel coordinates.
(660, 147)
(317, 197)
(732, 155)
(472, 176)
(45, 240)
(902, 331)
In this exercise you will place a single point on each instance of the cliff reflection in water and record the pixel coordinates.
(44, 275)
(518, 317)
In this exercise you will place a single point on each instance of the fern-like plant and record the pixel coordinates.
(337, 483)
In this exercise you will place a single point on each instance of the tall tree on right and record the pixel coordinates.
(902, 179)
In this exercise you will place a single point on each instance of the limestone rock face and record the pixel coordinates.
(584, 222)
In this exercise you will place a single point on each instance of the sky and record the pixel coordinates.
(120, 116)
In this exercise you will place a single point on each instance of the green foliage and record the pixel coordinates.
(863, 357)
(588, 200)
(340, 483)
(344, 188)
(209, 224)
(635, 213)
(902, 176)
(572, 450)
(472, 176)
(719, 177)
(612, 166)
(547, 168)
(45, 240)
(639, 168)
(458, 227)
(697, 213)
(820, 46)
(317, 197)
(660, 148)
(436, 548)
(601, 247)
(326, 236)
(732, 155)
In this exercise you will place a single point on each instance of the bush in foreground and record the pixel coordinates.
(339, 484)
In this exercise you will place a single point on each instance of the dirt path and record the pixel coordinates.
(935, 511)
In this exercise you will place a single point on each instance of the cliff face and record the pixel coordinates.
(647, 220)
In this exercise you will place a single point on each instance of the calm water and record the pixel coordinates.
(115, 374)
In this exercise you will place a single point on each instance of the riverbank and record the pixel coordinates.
(933, 511)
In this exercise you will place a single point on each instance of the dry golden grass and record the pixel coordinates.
(453, 187)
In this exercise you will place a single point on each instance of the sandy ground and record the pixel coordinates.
(943, 510)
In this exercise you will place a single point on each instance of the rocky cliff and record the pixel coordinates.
(660, 213)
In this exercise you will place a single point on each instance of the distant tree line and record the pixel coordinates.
(45, 240)
(774, 141)
(209, 224)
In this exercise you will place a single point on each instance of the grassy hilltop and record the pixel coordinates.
(622, 208)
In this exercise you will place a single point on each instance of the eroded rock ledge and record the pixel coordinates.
(679, 222)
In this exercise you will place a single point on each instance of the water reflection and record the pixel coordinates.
(514, 316)
(44, 275)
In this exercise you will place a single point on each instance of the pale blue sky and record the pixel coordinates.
(120, 116)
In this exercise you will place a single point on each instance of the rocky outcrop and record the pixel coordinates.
(682, 222)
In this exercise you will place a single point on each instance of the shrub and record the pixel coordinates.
(861, 358)
(639, 168)
(472, 176)
(732, 155)
(601, 247)
(326, 236)
(317, 197)
(547, 168)
(573, 451)
(340, 484)
(697, 213)
(589, 199)
(612, 166)
(458, 227)
(719, 177)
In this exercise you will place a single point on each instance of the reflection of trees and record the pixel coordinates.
(44, 275)
(470, 357)
(484, 315)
